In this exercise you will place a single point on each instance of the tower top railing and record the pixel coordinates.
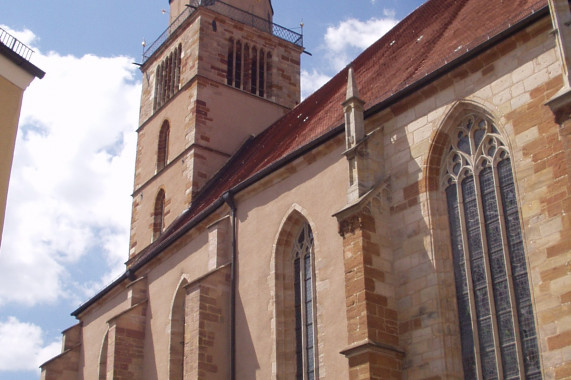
(15, 45)
(231, 12)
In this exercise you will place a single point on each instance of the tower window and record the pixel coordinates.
(254, 70)
(159, 215)
(163, 146)
(248, 68)
(262, 72)
(268, 75)
(167, 77)
(495, 312)
(238, 66)
(247, 80)
(230, 63)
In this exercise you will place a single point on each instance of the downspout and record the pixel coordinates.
(229, 199)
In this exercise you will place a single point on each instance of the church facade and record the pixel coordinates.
(408, 220)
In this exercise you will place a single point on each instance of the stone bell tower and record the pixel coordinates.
(219, 73)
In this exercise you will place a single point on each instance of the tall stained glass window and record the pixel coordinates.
(305, 336)
(495, 312)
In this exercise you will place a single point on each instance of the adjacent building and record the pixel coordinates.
(408, 220)
(16, 73)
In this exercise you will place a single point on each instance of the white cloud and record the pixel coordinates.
(390, 13)
(311, 81)
(350, 37)
(342, 43)
(23, 346)
(71, 176)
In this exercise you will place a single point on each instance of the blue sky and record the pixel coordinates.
(67, 221)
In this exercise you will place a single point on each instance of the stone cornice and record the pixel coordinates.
(560, 105)
(348, 217)
(369, 345)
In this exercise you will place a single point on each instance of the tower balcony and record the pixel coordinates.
(15, 45)
(233, 13)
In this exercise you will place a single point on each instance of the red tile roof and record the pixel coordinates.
(434, 35)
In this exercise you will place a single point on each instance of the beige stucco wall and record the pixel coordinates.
(261, 213)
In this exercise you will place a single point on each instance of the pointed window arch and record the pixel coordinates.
(497, 327)
(159, 214)
(163, 146)
(177, 334)
(295, 326)
(103, 359)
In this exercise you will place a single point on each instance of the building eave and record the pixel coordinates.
(18, 60)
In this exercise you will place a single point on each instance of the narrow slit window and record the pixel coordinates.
(262, 73)
(230, 63)
(163, 146)
(159, 215)
(238, 66)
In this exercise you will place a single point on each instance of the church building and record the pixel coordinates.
(406, 221)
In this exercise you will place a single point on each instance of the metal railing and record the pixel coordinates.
(15, 45)
(231, 12)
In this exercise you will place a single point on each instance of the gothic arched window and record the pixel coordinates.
(304, 307)
(159, 214)
(103, 359)
(497, 325)
(295, 322)
(163, 146)
(177, 334)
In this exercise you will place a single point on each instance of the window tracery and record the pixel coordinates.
(495, 313)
